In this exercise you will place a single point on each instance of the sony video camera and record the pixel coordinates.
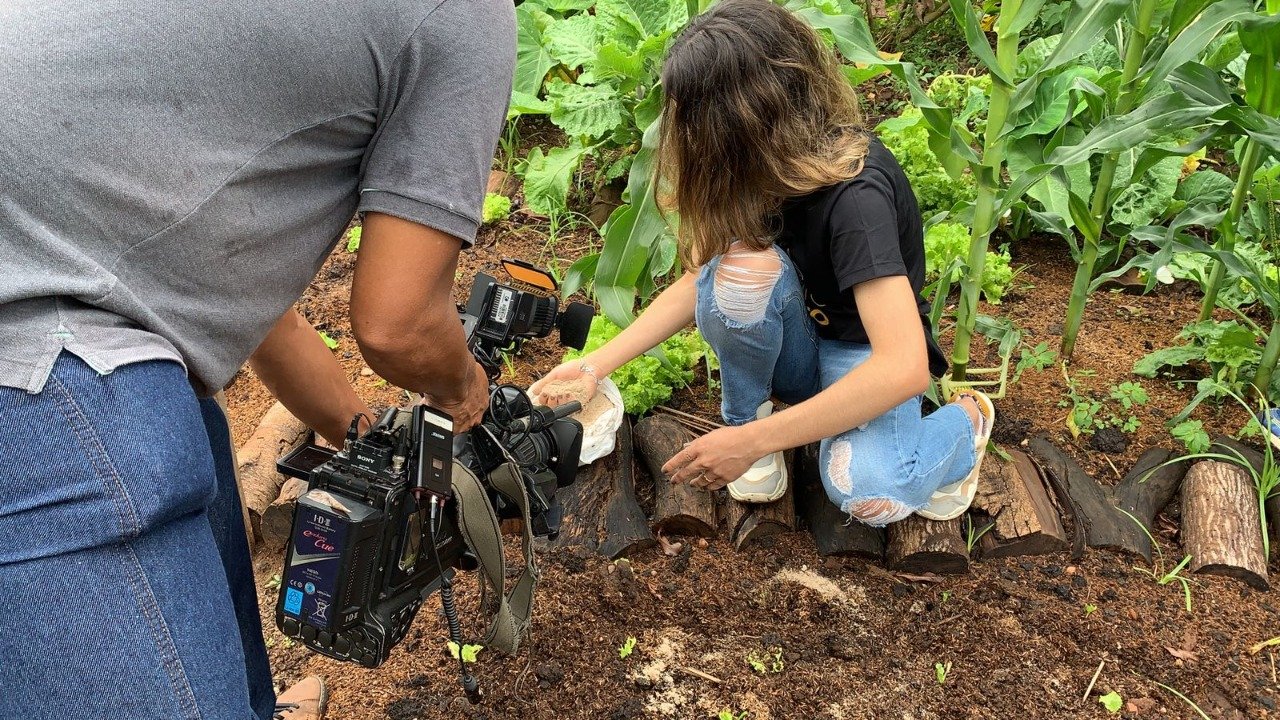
(375, 533)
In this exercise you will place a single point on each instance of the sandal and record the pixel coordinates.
(950, 501)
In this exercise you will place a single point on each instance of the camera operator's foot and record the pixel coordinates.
(303, 701)
(766, 480)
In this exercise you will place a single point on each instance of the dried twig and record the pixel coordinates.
(699, 673)
(1091, 682)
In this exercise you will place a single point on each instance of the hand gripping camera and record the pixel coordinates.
(380, 529)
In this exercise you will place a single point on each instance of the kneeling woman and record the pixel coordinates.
(809, 258)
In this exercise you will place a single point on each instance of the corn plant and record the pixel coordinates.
(1259, 34)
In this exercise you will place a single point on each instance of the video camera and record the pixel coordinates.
(376, 532)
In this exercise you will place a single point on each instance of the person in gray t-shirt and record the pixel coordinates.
(172, 175)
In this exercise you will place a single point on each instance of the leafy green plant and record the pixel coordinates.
(1112, 702)
(907, 137)
(328, 341)
(353, 238)
(627, 648)
(496, 208)
(766, 661)
(469, 653)
(1089, 609)
(1192, 435)
(1038, 358)
(945, 246)
(645, 381)
(940, 672)
(727, 714)
(1230, 349)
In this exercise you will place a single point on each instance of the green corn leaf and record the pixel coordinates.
(1027, 13)
(1184, 11)
(579, 274)
(977, 40)
(1192, 41)
(1083, 218)
(1083, 29)
(1159, 116)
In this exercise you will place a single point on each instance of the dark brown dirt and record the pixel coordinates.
(1022, 637)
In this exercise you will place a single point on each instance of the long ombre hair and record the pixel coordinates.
(756, 110)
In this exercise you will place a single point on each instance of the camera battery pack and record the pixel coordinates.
(329, 572)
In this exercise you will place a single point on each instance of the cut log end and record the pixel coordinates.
(833, 533)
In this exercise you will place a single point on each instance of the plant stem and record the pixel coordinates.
(984, 216)
(1227, 230)
(1099, 204)
(1270, 357)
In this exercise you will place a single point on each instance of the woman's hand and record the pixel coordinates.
(715, 459)
(568, 381)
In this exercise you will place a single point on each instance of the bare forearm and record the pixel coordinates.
(671, 311)
(302, 373)
(436, 362)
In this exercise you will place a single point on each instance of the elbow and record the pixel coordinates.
(918, 381)
(911, 376)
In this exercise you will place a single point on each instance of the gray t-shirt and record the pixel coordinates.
(174, 172)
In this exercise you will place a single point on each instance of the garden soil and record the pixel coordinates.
(778, 632)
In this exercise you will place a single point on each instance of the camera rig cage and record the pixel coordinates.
(389, 517)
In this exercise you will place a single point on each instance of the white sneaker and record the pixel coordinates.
(766, 480)
(950, 501)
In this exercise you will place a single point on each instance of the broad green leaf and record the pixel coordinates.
(585, 110)
(1112, 702)
(1206, 186)
(1083, 218)
(548, 177)
(1223, 51)
(612, 61)
(1192, 41)
(977, 40)
(566, 6)
(526, 104)
(468, 652)
(1052, 191)
(1260, 35)
(1033, 54)
(630, 22)
(572, 41)
(533, 62)
(1048, 111)
(328, 341)
(1150, 365)
(1144, 198)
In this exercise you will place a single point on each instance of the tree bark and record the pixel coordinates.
(600, 509)
(276, 434)
(1114, 519)
(277, 519)
(832, 530)
(679, 508)
(1221, 529)
(918, 545)
(1014, 503)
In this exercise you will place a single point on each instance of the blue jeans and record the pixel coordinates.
(880, 472)
(126, 589)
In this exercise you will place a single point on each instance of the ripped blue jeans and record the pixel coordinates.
(751, 311)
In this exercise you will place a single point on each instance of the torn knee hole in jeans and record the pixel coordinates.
(839, 466)
(879, 511)
(744, 284)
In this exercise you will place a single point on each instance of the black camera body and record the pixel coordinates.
(375, 533)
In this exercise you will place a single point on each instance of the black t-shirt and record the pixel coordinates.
(864, 228)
